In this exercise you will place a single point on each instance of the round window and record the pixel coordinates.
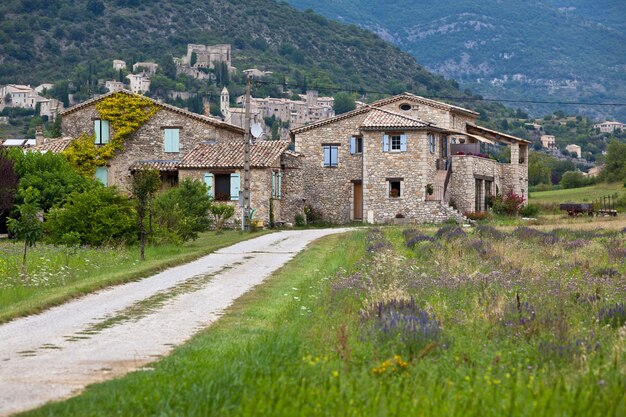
(405, 106)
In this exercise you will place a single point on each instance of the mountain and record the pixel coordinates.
(550, 50)
(76, 40)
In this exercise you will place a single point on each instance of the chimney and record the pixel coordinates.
(39, 139)
(206, 106)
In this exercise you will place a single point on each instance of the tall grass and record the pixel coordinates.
(478, 323)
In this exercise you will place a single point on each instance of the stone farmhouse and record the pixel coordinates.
(571, 148)
(181, 144)
(548, 141)
(139, 83)
(405, 157)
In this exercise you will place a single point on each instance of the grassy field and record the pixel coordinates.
(56, 275)
(550, 200)
(420, 322)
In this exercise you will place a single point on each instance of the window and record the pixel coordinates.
(431, 143)
(101, 128)
(394, 142)
(223, 187)
(277, 186)
(394, 188)
(171, 140)
(405, 106)
(331, 154)
(102, 175)
(356, 145)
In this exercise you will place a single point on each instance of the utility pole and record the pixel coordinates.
(245, 224)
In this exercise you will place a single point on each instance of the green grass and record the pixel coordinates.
(309, 341)
(50, 282)
(576, 195)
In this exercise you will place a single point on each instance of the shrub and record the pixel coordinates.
(222, 212)
(312, 215)
(99, 216)
(299, 220)
(529, 210)
(477, 215)
(508, 204)
(182, 212)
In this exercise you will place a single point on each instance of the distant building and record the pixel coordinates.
(149, 68)
(43, 87)
(206, 56)
(609, 127)
(23, 96)
(548, 141)
(139, 83)
(595, 171)
(571, 148)
(118, 64)
(114, 85)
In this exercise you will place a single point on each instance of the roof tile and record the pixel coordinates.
(263, 154)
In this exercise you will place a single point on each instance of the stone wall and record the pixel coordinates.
(147, 142)
(292, 201)
(439, 117)
(416, 167)
(330, 189)
(465, 170)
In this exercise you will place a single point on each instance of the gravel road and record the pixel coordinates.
(55, 354)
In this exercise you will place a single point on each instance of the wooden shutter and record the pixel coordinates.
(208, 181)
(403, 143)
(279, 184)
(273, 184)
(352, 145)
(234, 186)
(96, 129)
(334, 155)
(171, 140)
(385, 143)
(102, 175)
(326, 156)
(104, 126)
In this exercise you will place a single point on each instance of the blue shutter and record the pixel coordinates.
(105, 131)
(279, 183)
(352, 145)
(334, 151)
(208, 181)
(385, 143)
(326, 156)
(234, 186)
(403, 143)
(273, 184)
(102, 174)
(96, 129)
(171, 140)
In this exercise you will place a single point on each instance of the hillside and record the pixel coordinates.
(572, 50)
(75, 40)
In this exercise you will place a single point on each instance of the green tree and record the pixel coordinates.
(615, 162)
(344, 103)
(144, 186)
(183, 211)
(27, 226)
(573, 179)
(8, 183)
(221, 212)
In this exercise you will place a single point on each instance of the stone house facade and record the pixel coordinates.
(274, 174)
(405, 157)
(163, 141)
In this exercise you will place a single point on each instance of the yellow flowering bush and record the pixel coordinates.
(126, 114)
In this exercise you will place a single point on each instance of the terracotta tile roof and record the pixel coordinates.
(157, 164)
(263, 153)
(493, 134)
(404, 96)
(53, 145)
(385, 119)
(206, 119)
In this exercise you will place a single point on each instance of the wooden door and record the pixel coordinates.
(358, 201)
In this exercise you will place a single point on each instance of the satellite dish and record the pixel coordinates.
(256, 130)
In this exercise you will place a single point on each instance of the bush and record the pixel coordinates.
(222, 212)
(509, 204)
(478, 215)
(99, 216)
(529, 210)
(299, 220)
(181, 213)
